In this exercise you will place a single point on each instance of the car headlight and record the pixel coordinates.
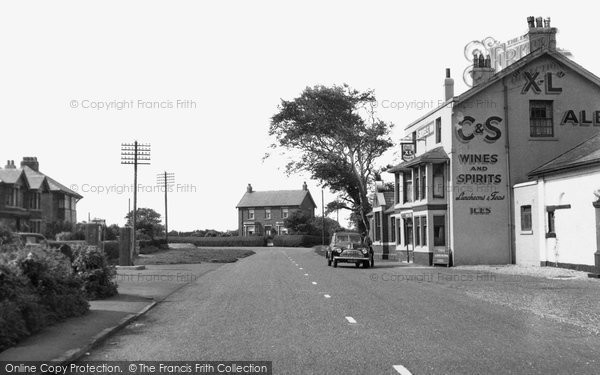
(364, 251)
(337, 250)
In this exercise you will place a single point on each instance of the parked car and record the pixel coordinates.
(32, 240)
(349, 247)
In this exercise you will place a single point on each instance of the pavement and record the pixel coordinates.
(286, 306)
(139, 291)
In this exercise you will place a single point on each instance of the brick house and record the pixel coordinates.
(261, 212)
(382, 224)
(30, 201)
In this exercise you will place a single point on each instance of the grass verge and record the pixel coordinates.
(194, 255)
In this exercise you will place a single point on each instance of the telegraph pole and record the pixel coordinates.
(166, 179)
(135, 153)
(322, 218)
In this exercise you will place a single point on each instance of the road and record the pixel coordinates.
(285, 305)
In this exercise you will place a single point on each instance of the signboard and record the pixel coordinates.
(408, 151)
(425, 131)
(441, 256)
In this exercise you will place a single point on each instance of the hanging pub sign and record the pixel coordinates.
(408, 151)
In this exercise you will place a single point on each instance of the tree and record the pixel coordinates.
(298, 222)
(148, 222)
(331, 226)
(336, 138)
(112, 232)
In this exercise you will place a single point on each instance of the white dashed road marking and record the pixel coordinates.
(327, 296)
(314, 283)
(301, 268)
(350, 320)
(402, 370)
(305, 274)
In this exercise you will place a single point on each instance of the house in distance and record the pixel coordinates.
(263, 212)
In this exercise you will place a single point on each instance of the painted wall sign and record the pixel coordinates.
(480, 210)
(581, 118)
(485, 183)
(469, 128)
(408, 151)
(533, 81)
(425, 131)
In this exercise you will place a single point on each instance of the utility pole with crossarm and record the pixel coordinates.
(135, 153)
(165, 179)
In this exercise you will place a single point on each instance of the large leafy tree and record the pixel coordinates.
(333, 134)
(147, 221)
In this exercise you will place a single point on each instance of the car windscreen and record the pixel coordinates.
(348, 238)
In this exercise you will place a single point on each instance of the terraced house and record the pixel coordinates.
(30, 201)
(263, 212)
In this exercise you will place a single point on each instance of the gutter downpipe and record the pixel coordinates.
(511, 234)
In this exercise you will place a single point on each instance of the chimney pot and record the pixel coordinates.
(249, 188)
(539, 22)
(530, 22)
(31, 162)
(448, 86)
(304, 186)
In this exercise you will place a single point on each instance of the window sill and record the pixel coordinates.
(548, 139)
(526, 232)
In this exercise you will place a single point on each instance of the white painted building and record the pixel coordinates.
(555, 220)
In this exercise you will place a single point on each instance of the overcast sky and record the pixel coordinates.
(235, 60)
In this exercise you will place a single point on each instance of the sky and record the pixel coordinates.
(199, 81)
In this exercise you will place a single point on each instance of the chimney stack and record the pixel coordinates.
(541, 35)
(482, 69)
(10, 164)
(304, 186)
(448, 86)
(249, 188)
(31, 162)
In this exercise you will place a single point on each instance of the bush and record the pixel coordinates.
(21, 312)
(92, 268)
(250, 241)
(59, 289)
(111, 249)
(298, 240)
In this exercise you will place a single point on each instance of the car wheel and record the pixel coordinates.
(356, 264)
(328, 261)
(372, 261)
(366, 264)
(334, 263)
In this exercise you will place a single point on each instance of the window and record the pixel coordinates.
(36, 226)
(392, 229)
(397, 188)
(398, 234)
(408, 231)
(525, 218)
(250, 230)
(423, 175)
(251, 214)
(438, 180)
(407, 186)
(268, 230)
(268, 213)
(424, 230)
(551, 227)
(438, 130)
(417, 231)
(540, 118)
(377, 226)
(414, 140)
(61, 202)
(34, 201)
(439, 231)
(416, 183)
(284, 213)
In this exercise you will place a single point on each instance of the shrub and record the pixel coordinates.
(92, 268)
(50, 273)
(21, 312)
(297, 240)
(111, 249)
(250, 241)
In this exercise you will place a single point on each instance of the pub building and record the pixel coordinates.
(453, 197)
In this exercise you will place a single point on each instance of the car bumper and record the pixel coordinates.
(350, 259)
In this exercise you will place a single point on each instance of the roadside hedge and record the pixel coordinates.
(239, 241)
(298, 240)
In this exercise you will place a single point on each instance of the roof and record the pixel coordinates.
(509, 70)
(436, 155)
(10, 176)
(582, 155)
(275, 198)
(35, 180)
